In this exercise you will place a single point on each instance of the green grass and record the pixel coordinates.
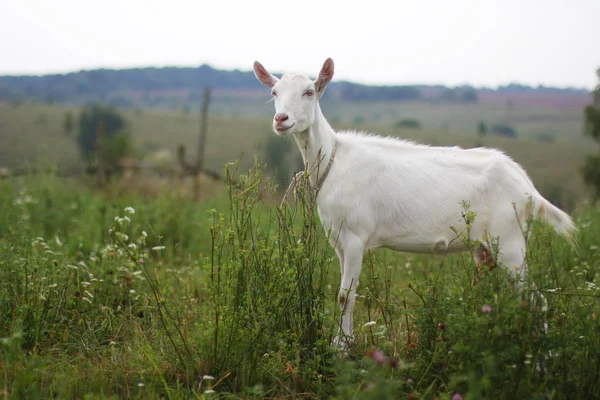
(93, 306)
(563, 125)
(31, 133)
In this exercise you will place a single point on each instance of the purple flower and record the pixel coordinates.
(141, 260)
(379, 357)
(457, 396)
(485, 309)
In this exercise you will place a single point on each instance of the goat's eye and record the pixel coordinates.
(309, 93)
(274, 93)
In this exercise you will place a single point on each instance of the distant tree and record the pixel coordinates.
(118, 146)
(410, 123)
(481, 128)
(116, 142)
(448, 94)
(355, 92)
(545, 137)
(504, 130)
(591, 168)
(469, 95)
(68, 123)
(358, 120)
(94, 118)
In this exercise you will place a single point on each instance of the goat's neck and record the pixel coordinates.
(316, 145)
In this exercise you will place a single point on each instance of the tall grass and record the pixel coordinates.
(130, 297)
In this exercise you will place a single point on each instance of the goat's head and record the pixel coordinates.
(295, 96)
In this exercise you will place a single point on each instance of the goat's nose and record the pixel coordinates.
(280, 117)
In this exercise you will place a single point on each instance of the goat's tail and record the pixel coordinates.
(561, 221)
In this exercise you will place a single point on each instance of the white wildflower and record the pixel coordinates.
(208, 378)
(158, 248)
(132, 246)
(129, 210)
(140, 384)
(122, 236)
(370, 323)
(144, 234)
(88, 293)
(209, 391)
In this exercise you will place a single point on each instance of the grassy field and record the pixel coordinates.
(562, 125)
(107, 296)
(30, 134)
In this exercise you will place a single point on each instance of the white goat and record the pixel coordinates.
(384, 192)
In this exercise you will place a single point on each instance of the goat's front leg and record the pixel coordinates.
(352, 256)
(340, 253)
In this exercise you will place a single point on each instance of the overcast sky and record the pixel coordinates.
(452, 42)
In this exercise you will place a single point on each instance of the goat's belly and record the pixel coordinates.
(441, 245)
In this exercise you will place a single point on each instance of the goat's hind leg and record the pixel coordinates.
(512, 256)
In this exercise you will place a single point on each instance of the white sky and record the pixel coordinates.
(452, 42)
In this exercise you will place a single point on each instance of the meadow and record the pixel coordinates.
(116, 294)
(124, 296)
(32, 135)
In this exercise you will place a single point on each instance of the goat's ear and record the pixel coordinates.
(325, 76)
(263, 75)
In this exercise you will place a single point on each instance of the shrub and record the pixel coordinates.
(409, 123)
(504, 130)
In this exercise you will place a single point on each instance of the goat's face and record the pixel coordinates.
(295, 97)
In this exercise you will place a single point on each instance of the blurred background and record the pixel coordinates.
(153, 96)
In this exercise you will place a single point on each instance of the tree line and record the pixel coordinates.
(124, 87)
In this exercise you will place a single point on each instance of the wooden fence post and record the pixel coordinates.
(201, 143)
